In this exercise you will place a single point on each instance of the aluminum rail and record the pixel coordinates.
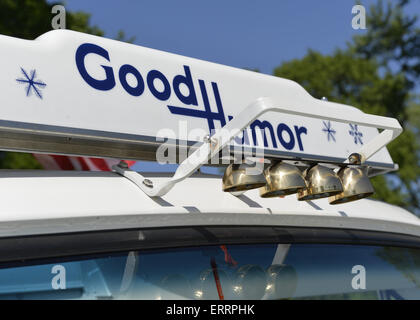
(391, 130)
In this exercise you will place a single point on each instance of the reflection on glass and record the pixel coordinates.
(306, 271)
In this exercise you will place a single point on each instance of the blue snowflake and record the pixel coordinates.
(329, 130)
(32, 84)
(355, 133)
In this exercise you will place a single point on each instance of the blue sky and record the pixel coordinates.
(240, 33)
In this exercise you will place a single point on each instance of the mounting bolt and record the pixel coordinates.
(148, 183)
(355, 158)
(212, 141)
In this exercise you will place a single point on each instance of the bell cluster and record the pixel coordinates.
(280, 178)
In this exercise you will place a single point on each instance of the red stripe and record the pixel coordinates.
(228, 257)
(100, 164)
(63, 162)
(56, 162)
(130, 162)
(83, 163)
(217, 279)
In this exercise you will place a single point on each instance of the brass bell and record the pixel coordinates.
(356, 185)
(242, 177)
(321, 182)
(282, 179)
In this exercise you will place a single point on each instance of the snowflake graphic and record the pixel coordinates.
(32, 84)
(329, 130)
(354, 132)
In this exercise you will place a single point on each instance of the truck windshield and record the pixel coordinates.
(261, 271)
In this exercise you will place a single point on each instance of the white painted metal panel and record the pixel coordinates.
(76, 83)
(55, 200)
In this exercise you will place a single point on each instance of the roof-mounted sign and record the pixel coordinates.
(73, 93)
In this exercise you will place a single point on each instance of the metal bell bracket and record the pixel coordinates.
(391, 130)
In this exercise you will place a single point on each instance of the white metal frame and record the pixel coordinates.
(391, 130)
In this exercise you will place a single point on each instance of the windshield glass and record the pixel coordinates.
(265, 271)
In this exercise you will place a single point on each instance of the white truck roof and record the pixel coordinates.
(40, 202)
(76, 94)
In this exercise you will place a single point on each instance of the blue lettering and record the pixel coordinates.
(262, 126)
(285, 128)
(134, 91)
(299, 131)
(285, 135)
(191, 99)
(206, 113)
(151, 77)
(109, 82)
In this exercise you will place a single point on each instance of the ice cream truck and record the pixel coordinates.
(282, 211)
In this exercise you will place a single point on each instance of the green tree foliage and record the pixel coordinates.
(378, 72)
(18, 160)
(28, 19)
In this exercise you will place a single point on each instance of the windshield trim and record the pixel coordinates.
(22, 249)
